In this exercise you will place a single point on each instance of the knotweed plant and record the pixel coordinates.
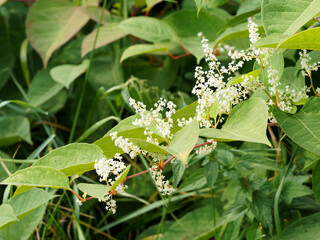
(218, 89)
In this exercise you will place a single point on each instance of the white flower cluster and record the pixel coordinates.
(110, 170)
(206, 149)
(163, 185)
(128, 147)
(153, 117)
(210, 87)
(183, 121)
(284, 98)
(305, 63)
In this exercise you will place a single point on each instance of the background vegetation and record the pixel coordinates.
(67, 72)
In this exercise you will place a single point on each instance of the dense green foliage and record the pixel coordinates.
(69, 70)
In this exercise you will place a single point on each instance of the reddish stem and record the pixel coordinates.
(273, 124)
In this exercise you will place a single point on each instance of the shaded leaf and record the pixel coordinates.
(66, 74)
(50, 24)
(13, 129)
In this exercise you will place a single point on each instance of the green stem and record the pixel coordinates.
(314, 90)
(76, 117)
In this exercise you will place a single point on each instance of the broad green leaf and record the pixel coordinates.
(7, 215)
(247, 122)
(316, 182)
(139, 49)
(50, 24)
(186, 24)
(72, 159)
(192, 225)
(38, 177)
(125, 124)
(287, 17)
(149, 29)
(25, 227)
(43, 88)
(98, 191)
(6, 61)
(238, 79)
(248, 6)
(304, 228)
(183, 141)
(302, 127)
(293, 188)
(66, 74)
(22, 189)
(107, 34)
(211, 172)
(121, 178)
(14, 129)
(308, 39)
(27, 201)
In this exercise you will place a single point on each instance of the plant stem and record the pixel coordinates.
(76, 116)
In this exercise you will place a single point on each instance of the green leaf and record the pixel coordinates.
(50, 24)
(7, 215)
(75, 158)
(192, 225)
(185, 23)
(316, 182)
(211, 171)
(287, 17)
(107, 34)
(38, 177)
(148, 28)
(139, 49)
(28, 201)
(295, 80)
(98, 191)
(13, 129)
(196, 180)
(242, 16)
(121, 178)
(247, 122)
(302, 127)
(238, 79)
(308, 39)
(183, 141)
(25, 227)
(304, 228)
(66, 74)
(43, 88)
